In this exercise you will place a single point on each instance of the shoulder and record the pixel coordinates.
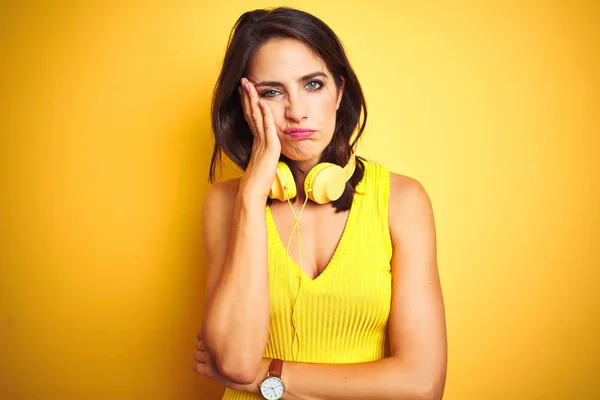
(223, 190)
(403, 188)
(219, 201)
(410, 208)
(374, 173)
(369, 164)
(400, 186)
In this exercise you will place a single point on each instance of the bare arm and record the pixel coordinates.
(235, 237)
(416, 368)
(237, 289)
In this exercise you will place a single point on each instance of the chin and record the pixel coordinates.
(302, 154)
(303, 150)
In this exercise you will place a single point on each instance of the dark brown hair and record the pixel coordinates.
(231, 131)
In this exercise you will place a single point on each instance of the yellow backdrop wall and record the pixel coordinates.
(105, 146)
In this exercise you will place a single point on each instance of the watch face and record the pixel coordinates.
(272, 388)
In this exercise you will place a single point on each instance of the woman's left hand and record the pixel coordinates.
(205, 366)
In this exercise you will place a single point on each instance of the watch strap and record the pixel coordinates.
(275, 368)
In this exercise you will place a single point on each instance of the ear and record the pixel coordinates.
(340, 93)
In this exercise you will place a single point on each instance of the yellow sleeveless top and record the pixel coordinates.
(342, 315)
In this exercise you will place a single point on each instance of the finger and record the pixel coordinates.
(201, 357)
(199, 335)
(244, 100)
(201, 369)
(207, 371)
(247, 106)
(268, 123)
(255, 110)
(200, 346)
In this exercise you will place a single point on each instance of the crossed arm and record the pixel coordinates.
(416, 368)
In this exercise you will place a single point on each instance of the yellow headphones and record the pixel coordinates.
(324, 183)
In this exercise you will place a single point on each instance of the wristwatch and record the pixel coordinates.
(272, 387)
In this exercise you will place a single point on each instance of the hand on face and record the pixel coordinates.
(267, 147)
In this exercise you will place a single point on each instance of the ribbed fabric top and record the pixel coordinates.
(342, 315)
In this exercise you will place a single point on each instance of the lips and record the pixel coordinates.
(299, 133)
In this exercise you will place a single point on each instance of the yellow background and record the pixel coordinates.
(105, 146)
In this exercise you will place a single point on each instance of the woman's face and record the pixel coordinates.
(301, 94)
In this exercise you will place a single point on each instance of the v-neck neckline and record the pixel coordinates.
(338, 253)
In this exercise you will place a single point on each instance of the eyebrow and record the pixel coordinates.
(303, 78)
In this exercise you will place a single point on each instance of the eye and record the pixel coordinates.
(314, 85)
(269, 93)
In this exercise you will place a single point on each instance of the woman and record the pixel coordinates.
(356, 311)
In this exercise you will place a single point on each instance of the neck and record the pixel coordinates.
(301, 171)
(306, 165)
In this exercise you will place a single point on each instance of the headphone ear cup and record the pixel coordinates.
(325, 183)
(283, 186)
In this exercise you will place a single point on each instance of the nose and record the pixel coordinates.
(296, 109)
